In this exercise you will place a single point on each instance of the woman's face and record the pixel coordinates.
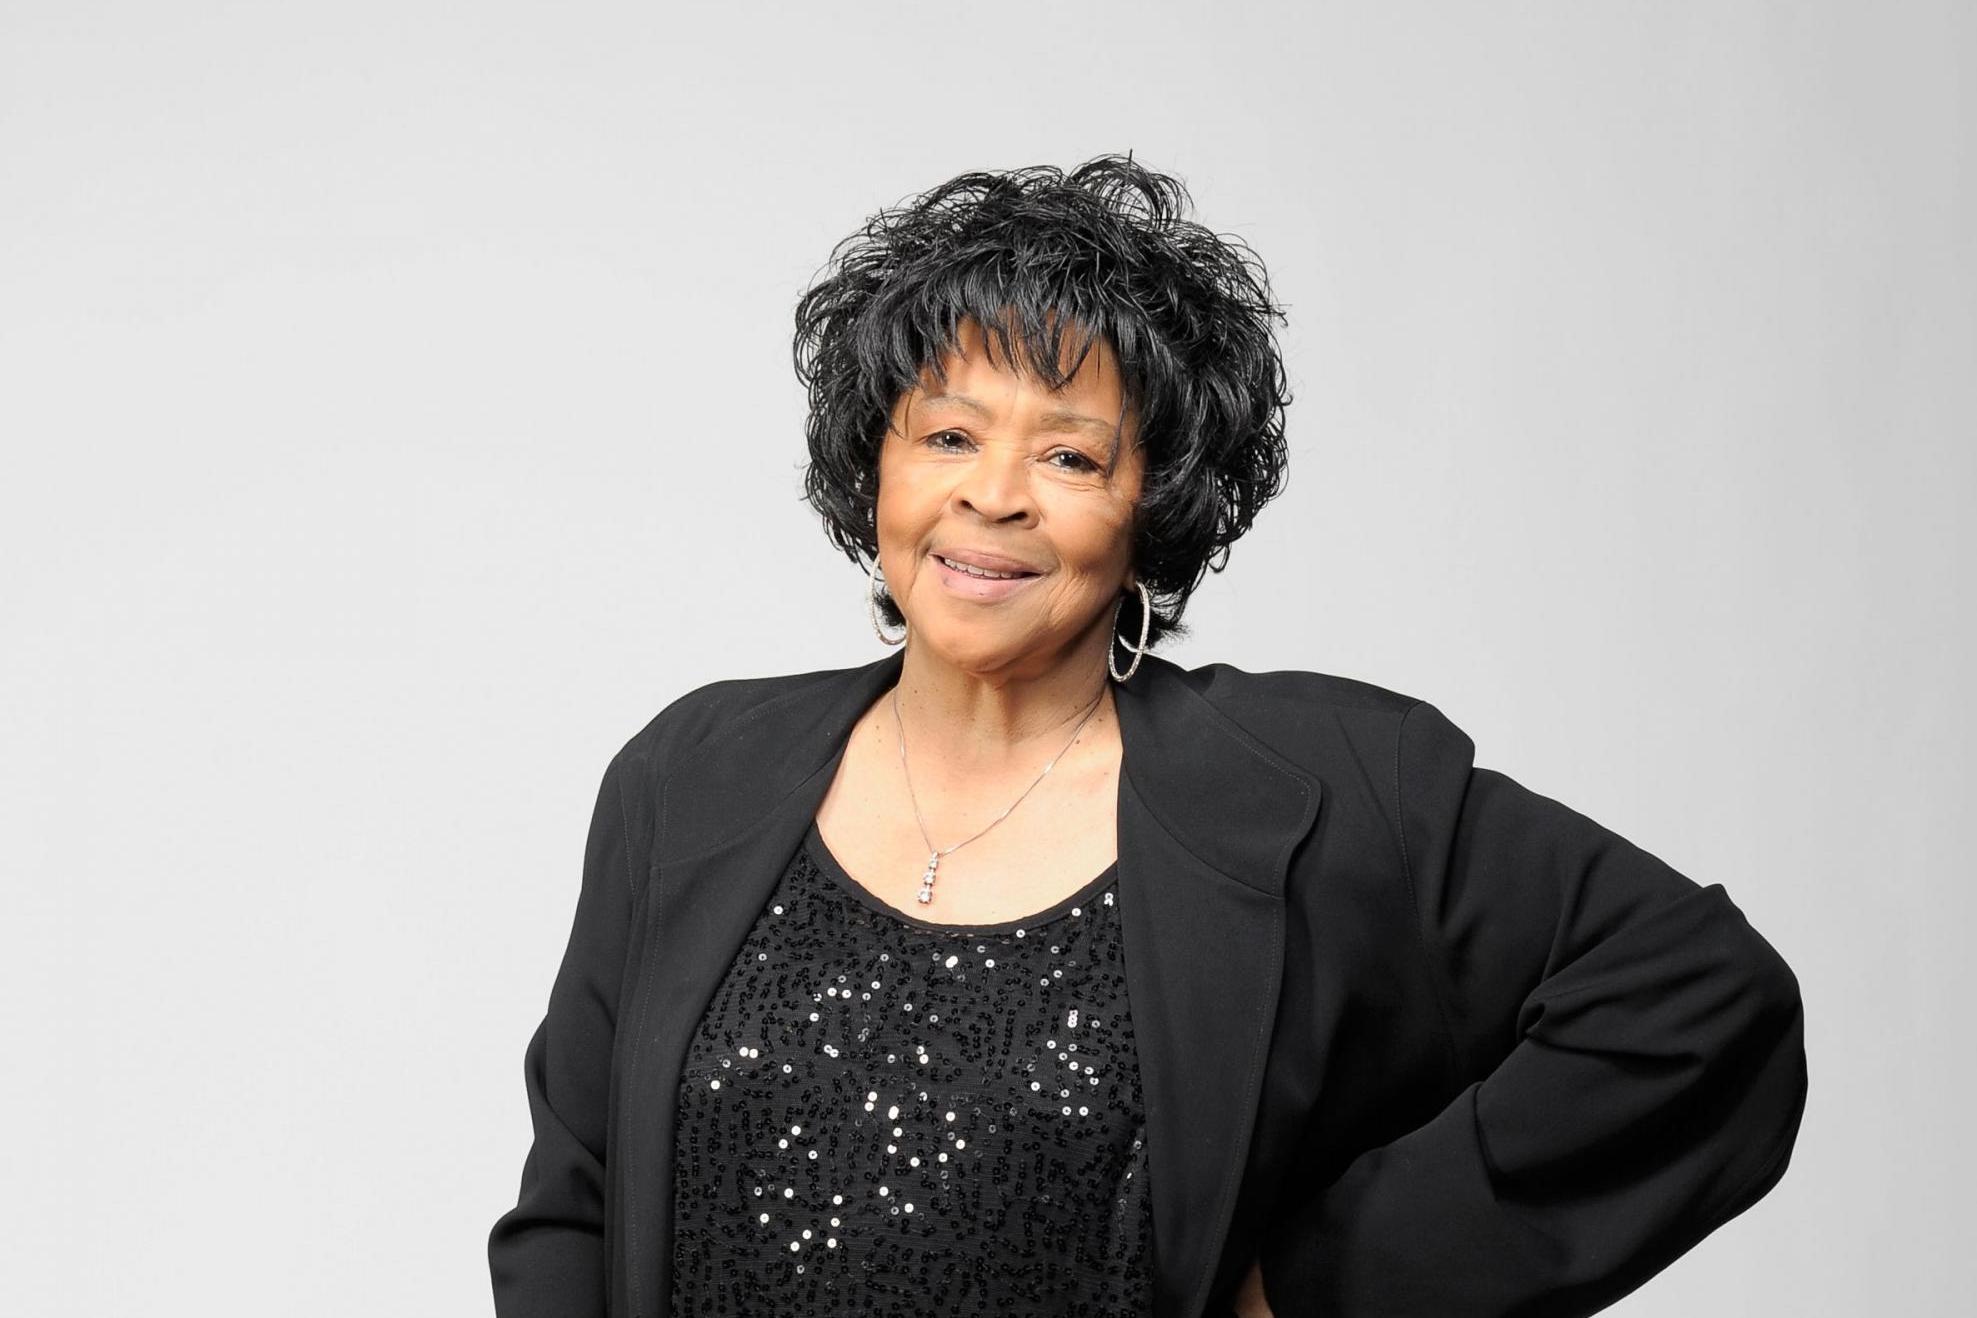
(993, 470)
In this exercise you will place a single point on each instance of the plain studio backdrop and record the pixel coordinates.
(397, 413)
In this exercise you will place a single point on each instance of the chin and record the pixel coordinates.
(973, 650)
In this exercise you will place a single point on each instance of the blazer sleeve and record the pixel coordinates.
(548, 1254)
(1629, 1054)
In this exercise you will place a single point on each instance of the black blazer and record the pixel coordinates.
(1426, 1042)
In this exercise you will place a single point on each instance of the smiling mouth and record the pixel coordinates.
(982, 572)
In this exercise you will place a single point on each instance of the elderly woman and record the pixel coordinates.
(1021, 971)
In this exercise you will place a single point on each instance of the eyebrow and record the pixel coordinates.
(1057, 418)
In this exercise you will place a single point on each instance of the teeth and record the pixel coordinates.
(974, 571)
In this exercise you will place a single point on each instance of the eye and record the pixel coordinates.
(1079, 462)
(939, 438)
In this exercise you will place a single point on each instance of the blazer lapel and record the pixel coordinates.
(734, 811)
(1208, 820)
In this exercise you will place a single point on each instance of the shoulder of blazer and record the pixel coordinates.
(1378, 752)
(701, 713)
(1306, 717)
(647, 759)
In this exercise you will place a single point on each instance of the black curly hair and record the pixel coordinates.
(1101, 251)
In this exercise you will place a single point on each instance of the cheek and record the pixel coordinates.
(906, 518)
(894, 498)
(901, 514)
(1105, 544)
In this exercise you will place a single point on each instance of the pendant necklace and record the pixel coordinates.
(935, 853)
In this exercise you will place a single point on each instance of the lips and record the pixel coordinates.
(984, 573)
(984, 583)
(984, 563)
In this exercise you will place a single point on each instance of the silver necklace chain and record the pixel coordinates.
(935, 853)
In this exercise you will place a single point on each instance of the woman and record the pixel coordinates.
(1023, 971)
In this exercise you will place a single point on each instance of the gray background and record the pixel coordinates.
(398, 413)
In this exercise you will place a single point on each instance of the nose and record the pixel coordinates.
(996, 487)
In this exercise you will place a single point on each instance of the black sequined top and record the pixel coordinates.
(885, 1115)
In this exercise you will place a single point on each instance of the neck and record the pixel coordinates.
(979, 723)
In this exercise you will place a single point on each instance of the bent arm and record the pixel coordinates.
(1634, 1060)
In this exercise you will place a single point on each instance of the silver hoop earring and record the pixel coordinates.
(872, 606)
(1146, 620)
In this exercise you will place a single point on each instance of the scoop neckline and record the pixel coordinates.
(820, 853)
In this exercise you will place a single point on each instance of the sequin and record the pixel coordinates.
(935, 1155)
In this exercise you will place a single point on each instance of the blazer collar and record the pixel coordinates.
(1208, 821)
